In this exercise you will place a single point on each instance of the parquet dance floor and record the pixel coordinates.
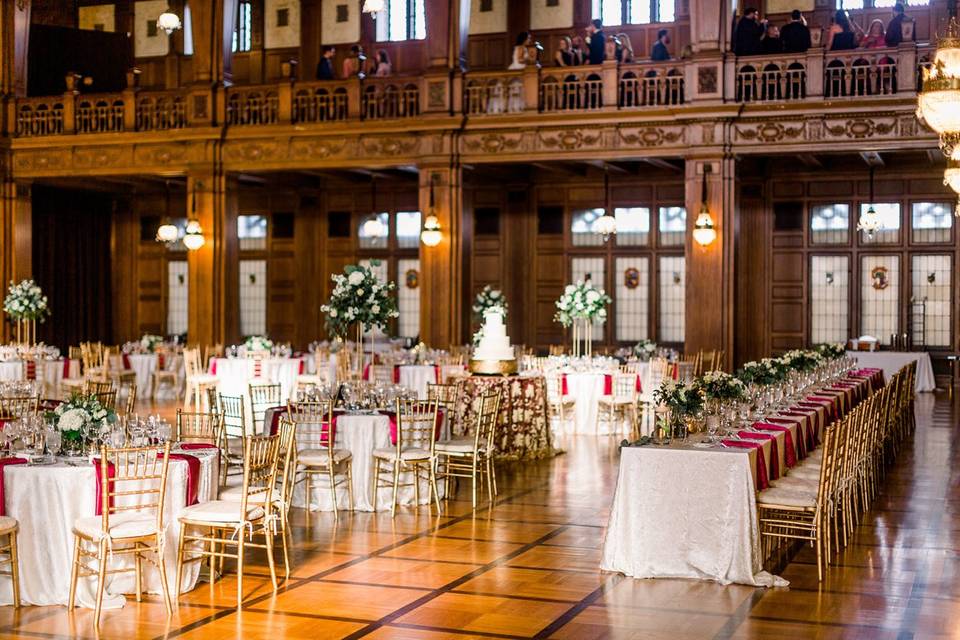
(528, 567)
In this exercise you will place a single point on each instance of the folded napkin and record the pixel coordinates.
(775, 421)
(762, 480)
(790, 452)
(5, 462)
(774, 450)
(193, 475)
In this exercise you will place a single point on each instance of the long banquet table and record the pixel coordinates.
(47, 499)
(893, 361)
(688, 510)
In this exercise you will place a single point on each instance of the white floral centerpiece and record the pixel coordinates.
(487, 299)
(645, 349)
(150, 341)
(718, 385)
(683, 400)
(77, 415)
(832, 351)
(258, 343)
(26, 305)
(359, 298)
(582, 303)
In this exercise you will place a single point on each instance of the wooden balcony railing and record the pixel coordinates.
(812, 76)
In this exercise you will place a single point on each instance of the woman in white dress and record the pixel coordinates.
(521, 54)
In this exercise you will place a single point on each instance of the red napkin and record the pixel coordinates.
(563, 385)
(300, 368)
(396, 374)
(4, 462)
(277, 412)
(111, 473)
(213, 366)
(366, 372)
(607, 385)
(802, 444)
(188, 446)
(639, 385)
(774, 450)
(126, 361)
(811, 428)
(193, 475)
(790, 453)
(675, 374)
(762, 481)
(160, 362)
(66, 367)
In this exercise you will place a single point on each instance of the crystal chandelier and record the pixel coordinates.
(606, 225)
(951, 177)
(168, 21)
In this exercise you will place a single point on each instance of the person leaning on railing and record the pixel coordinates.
(795, 35)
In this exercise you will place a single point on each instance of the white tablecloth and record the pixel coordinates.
(586, 389)
(53, 374)
(361, 434)
(416, 377)
(893, 361)
(11, 370)
(234, 375)
(47, 500)
(685, 513)
(143, 364)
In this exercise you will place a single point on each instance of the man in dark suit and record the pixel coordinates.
(795, 35)
(659, 53)
(325, 66)
(597, 41)
(749, 31)
(894, 35)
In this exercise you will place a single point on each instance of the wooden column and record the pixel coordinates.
(709, 283)
(441, 267)
(710, 24)
(448, 23)
(213, 26)
(213, 305)
(16, 238)
(14, 40)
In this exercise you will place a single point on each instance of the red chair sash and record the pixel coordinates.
(193, 475)
(5, 462)
(111, 473)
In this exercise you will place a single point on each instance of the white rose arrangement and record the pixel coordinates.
(258, 343)
(25, 301)
(77, 414)
(150, 341)
(488, 298)
(358, 296)
(645, 349)
(582, 301)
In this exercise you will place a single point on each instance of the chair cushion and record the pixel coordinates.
(798, 485)
(458, 445)
(411, 453)
(233, 492)
(8, 524)
(615, 401)
(777, 496)
(125, 524)
(321, 457)
(225, 511)
(203, 378)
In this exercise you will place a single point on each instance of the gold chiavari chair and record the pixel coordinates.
(692, 361)
(69, 385)
(621, 402)
(107, 399)
(472, 457)
(644, 419)
(559, 404)
(13, 407)
(121, 378)
(799, 514)
(203, 428)
(231, 408)
(448, 398)
(226, 523)
(659, 370)
(169, 373)
(93, 387)
(197, 379)
(133, 484)
(321, 377)
(210, 352)
(316, 453)
(130, 404)
(9, 530)
(414, 451)
(262, 397)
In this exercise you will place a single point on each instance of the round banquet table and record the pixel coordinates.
(361, 434)
(234, 375)
(47, 500)
(416, 377)
(586, 388)
(143, 364)
(11, 370)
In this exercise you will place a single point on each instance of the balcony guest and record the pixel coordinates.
(354, 64)
(843, 35)
(771, 44)
(597, 41)
(625, 54)
(578, 51)
(611, 50)
(521, 51)
(325, 66)
(875, 38)
(746, 38)
(381, 64)
(795, 35)
(894, 34)
(660, 52)
(564, 54)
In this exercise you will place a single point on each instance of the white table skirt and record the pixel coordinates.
(361, 434)
(47, 500)
(586, 389)
(143, 364)
(53, 375)
(685, 513)
(234, 375)
(11, 370)
(893, 361)
(416, 377)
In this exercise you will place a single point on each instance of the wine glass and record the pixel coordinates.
(54, 441)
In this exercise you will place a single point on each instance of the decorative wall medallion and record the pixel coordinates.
(879, 277)
(491, 142)
(436, 94)
(860, 128)
(412, 279)
(707, 133)
(100, 157)
(676, 277)
(651, 136)
(570, 139)
(316, 148)
(829, 277)
(631, 278)
(769, 132)
(707, 79)
(932, 277)
(390, 146)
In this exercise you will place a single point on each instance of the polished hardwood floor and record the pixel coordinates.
(527, 567)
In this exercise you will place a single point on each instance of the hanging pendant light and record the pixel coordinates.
(167, 232)
(374, 7)
(606, 225)
(193, 238)
(870, 221)
(374, 228)
(704, 231)
(431, 235)
(169, 22)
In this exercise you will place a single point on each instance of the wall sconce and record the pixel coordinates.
(431, 235)
(704, 231)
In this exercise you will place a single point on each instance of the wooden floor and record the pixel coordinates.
(527, 567)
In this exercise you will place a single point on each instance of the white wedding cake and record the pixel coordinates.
(493, 354)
